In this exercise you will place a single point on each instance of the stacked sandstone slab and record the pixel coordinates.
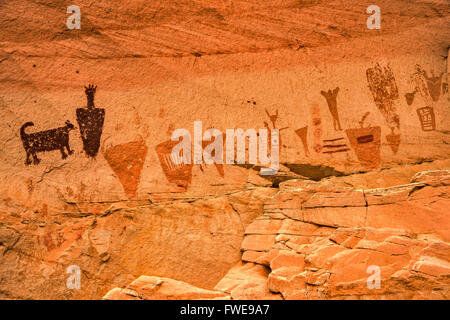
(316, 241)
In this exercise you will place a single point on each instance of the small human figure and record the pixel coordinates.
(331, 96)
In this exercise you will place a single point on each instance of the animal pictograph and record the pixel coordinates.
(331, 96)
(273, 117)
(48, 140)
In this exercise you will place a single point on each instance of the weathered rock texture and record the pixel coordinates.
(90, 182)
(317, 241)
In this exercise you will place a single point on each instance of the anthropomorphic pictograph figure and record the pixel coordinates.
(384, 90)
(273, 118)
(90, 121)
(331, 96)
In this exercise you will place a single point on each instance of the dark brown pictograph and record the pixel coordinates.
(331, 97)
(303, 135)
(336, 145)
(384, 91)
(49, 140)
(366, 144)
(393, 141)
(91, 121)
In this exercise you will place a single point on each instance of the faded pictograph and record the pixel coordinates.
(74, 20)
(365, 141)
(127, 161)
(317, 127)
(49, 140)
(429, 89)
(427, 118)
(173, 166)
(331, 97)
(175, 170)
(90, 121)
(273, 119)
(409, 97)
(385, 93)
(218, 166)
(335, 145)
(302, 133)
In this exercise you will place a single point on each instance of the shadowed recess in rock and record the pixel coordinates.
(313, 172)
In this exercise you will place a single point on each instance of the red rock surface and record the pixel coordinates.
(288, 254)
(364, 156)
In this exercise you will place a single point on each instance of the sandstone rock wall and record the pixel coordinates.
(316, 241)
(365, 108)
(319, 240)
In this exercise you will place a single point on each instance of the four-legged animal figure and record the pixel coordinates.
(48, 140)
